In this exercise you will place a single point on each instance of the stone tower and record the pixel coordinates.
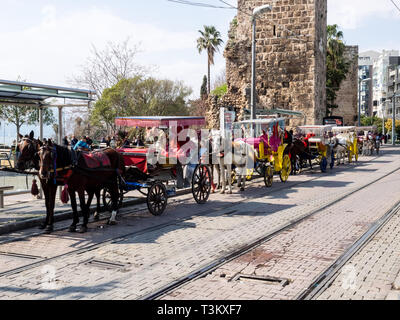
(291, 57)
(347, 96)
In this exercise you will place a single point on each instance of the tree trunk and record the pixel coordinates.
(209, 81)
(18, 132)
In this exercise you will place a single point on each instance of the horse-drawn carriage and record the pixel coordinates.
(271, 154)
(347, 136)
(156, 172)
(316, 140)
(367, 141)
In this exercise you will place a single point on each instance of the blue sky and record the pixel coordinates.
(48, 41)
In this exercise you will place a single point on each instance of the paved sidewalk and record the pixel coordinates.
(299, 255)
(373, 272)
(151, 252)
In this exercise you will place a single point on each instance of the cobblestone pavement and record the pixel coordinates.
(301, 254)
(143, 253)
(372, 272)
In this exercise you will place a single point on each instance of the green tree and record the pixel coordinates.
(220, 91)
(337, 66)
(372, 121)
(21, 115)
(209, 41)
(140, 97)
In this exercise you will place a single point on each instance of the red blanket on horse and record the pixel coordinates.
(96, 160)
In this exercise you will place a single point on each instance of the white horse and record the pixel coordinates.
(340, 148)
(225, 155)
(219, 163)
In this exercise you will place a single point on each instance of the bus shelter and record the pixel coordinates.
(38, 96)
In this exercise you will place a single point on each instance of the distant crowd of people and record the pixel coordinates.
(86, 143)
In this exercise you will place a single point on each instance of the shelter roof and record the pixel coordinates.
(23, 93)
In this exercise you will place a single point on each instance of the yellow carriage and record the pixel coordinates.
(270, 153)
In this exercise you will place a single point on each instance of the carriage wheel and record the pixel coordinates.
(201, 184)
(157, 199)
(107, 200)
(268, 176)
(286, 168)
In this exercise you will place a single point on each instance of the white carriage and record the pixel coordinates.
(347, 136)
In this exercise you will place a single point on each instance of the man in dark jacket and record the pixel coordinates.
(74, 141)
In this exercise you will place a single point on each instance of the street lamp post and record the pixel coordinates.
(256, 13)
(359, 98)
(394, 117)
(383, 117)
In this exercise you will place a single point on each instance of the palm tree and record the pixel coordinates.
(210, 40)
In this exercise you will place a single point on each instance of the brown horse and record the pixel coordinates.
(299, 151)
(58, 167)
(29, 159)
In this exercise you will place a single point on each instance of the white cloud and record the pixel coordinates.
(53, 50)
(351, 14)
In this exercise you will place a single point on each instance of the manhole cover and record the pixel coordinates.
(106, 265)
(262, 279)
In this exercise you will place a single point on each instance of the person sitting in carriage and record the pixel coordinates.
(82, 145)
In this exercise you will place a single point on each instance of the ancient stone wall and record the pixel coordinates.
(347, 96)
(291, 57)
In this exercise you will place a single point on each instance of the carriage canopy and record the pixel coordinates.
(344, 129)
(261, 125)
(157, 122)
(317, 130)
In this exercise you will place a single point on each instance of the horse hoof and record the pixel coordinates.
(230, 192)
(241, 189)
(72, 229)
(48, 230)
(83, 229)
(112, 223)
(42, 226)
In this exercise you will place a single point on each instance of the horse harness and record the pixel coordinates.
(74, 167)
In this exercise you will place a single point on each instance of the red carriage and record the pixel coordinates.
(159, 180)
